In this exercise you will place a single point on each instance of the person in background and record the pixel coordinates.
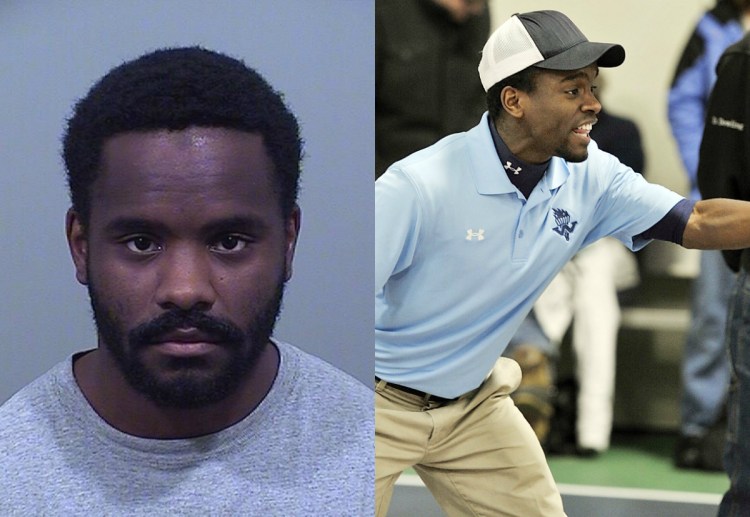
(705, 372)
(723, 168)
(183, 167)
(426, 85)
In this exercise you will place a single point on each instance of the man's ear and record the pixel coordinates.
(78, 244)
(512, 101)
(292, 227)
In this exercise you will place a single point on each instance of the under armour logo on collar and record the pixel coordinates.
(562, 219)
(509, 167)
(478, 235)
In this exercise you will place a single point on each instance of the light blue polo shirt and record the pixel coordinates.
(461, 256)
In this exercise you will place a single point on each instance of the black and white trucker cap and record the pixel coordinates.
(546, 39)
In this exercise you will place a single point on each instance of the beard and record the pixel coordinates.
(186, 382)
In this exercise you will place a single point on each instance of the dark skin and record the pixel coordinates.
(551, 121)
(186, 219)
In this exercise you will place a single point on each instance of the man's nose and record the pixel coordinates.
(592, 103)
(185, 280)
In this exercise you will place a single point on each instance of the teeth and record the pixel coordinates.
(585, 127)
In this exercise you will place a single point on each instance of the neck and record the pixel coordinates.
(129, 411)
(520, 143)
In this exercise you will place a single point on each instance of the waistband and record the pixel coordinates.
(426, 397)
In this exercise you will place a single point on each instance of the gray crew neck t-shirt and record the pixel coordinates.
(307, 449)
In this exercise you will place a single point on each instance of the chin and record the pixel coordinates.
(574, 157)
(185, 384)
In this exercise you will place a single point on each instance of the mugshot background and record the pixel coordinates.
(320, 53)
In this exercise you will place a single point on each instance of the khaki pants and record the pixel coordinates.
(477, 454)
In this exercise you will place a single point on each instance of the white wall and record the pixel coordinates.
(319, 52)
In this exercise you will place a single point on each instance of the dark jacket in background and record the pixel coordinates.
(426, 80)
(725, 148)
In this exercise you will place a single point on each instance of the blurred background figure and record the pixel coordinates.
(722, 172)
(585, 295)
(426, 82)
(705, 370)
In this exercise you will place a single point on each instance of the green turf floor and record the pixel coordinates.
(636, 460)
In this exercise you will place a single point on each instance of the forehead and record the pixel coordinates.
(199, 167)
(588, 73)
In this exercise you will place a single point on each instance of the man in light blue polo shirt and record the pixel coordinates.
(469, 231)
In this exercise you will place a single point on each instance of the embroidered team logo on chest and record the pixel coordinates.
(563, 226)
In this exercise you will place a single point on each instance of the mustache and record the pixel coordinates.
(153, 331)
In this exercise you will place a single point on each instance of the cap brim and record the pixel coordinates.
(586, 53)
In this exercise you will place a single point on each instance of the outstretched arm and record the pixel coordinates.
(718, 224)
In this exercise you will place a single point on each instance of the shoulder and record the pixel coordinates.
(740, 49)
(33, 418)
(450, 160)
(425, 178)
(324, 400)
(331, 385)
(720, 26)
(328, 410)
(31, 426)
(436, 158)
(33, 400)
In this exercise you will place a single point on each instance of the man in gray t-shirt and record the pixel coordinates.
(183, 167)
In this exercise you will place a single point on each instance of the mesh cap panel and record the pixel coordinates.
(509, 49)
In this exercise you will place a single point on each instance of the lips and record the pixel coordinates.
(190, 335)
(186, 342)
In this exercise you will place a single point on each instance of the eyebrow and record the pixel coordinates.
(244, 223)
(578, 74)
(132, 225)
(142, 224)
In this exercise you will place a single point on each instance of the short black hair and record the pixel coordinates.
(525, 80)
(173, 89)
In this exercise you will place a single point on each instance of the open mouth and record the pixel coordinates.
(583, 130)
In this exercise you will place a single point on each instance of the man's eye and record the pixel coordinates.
(142, 245)
(230, 244)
